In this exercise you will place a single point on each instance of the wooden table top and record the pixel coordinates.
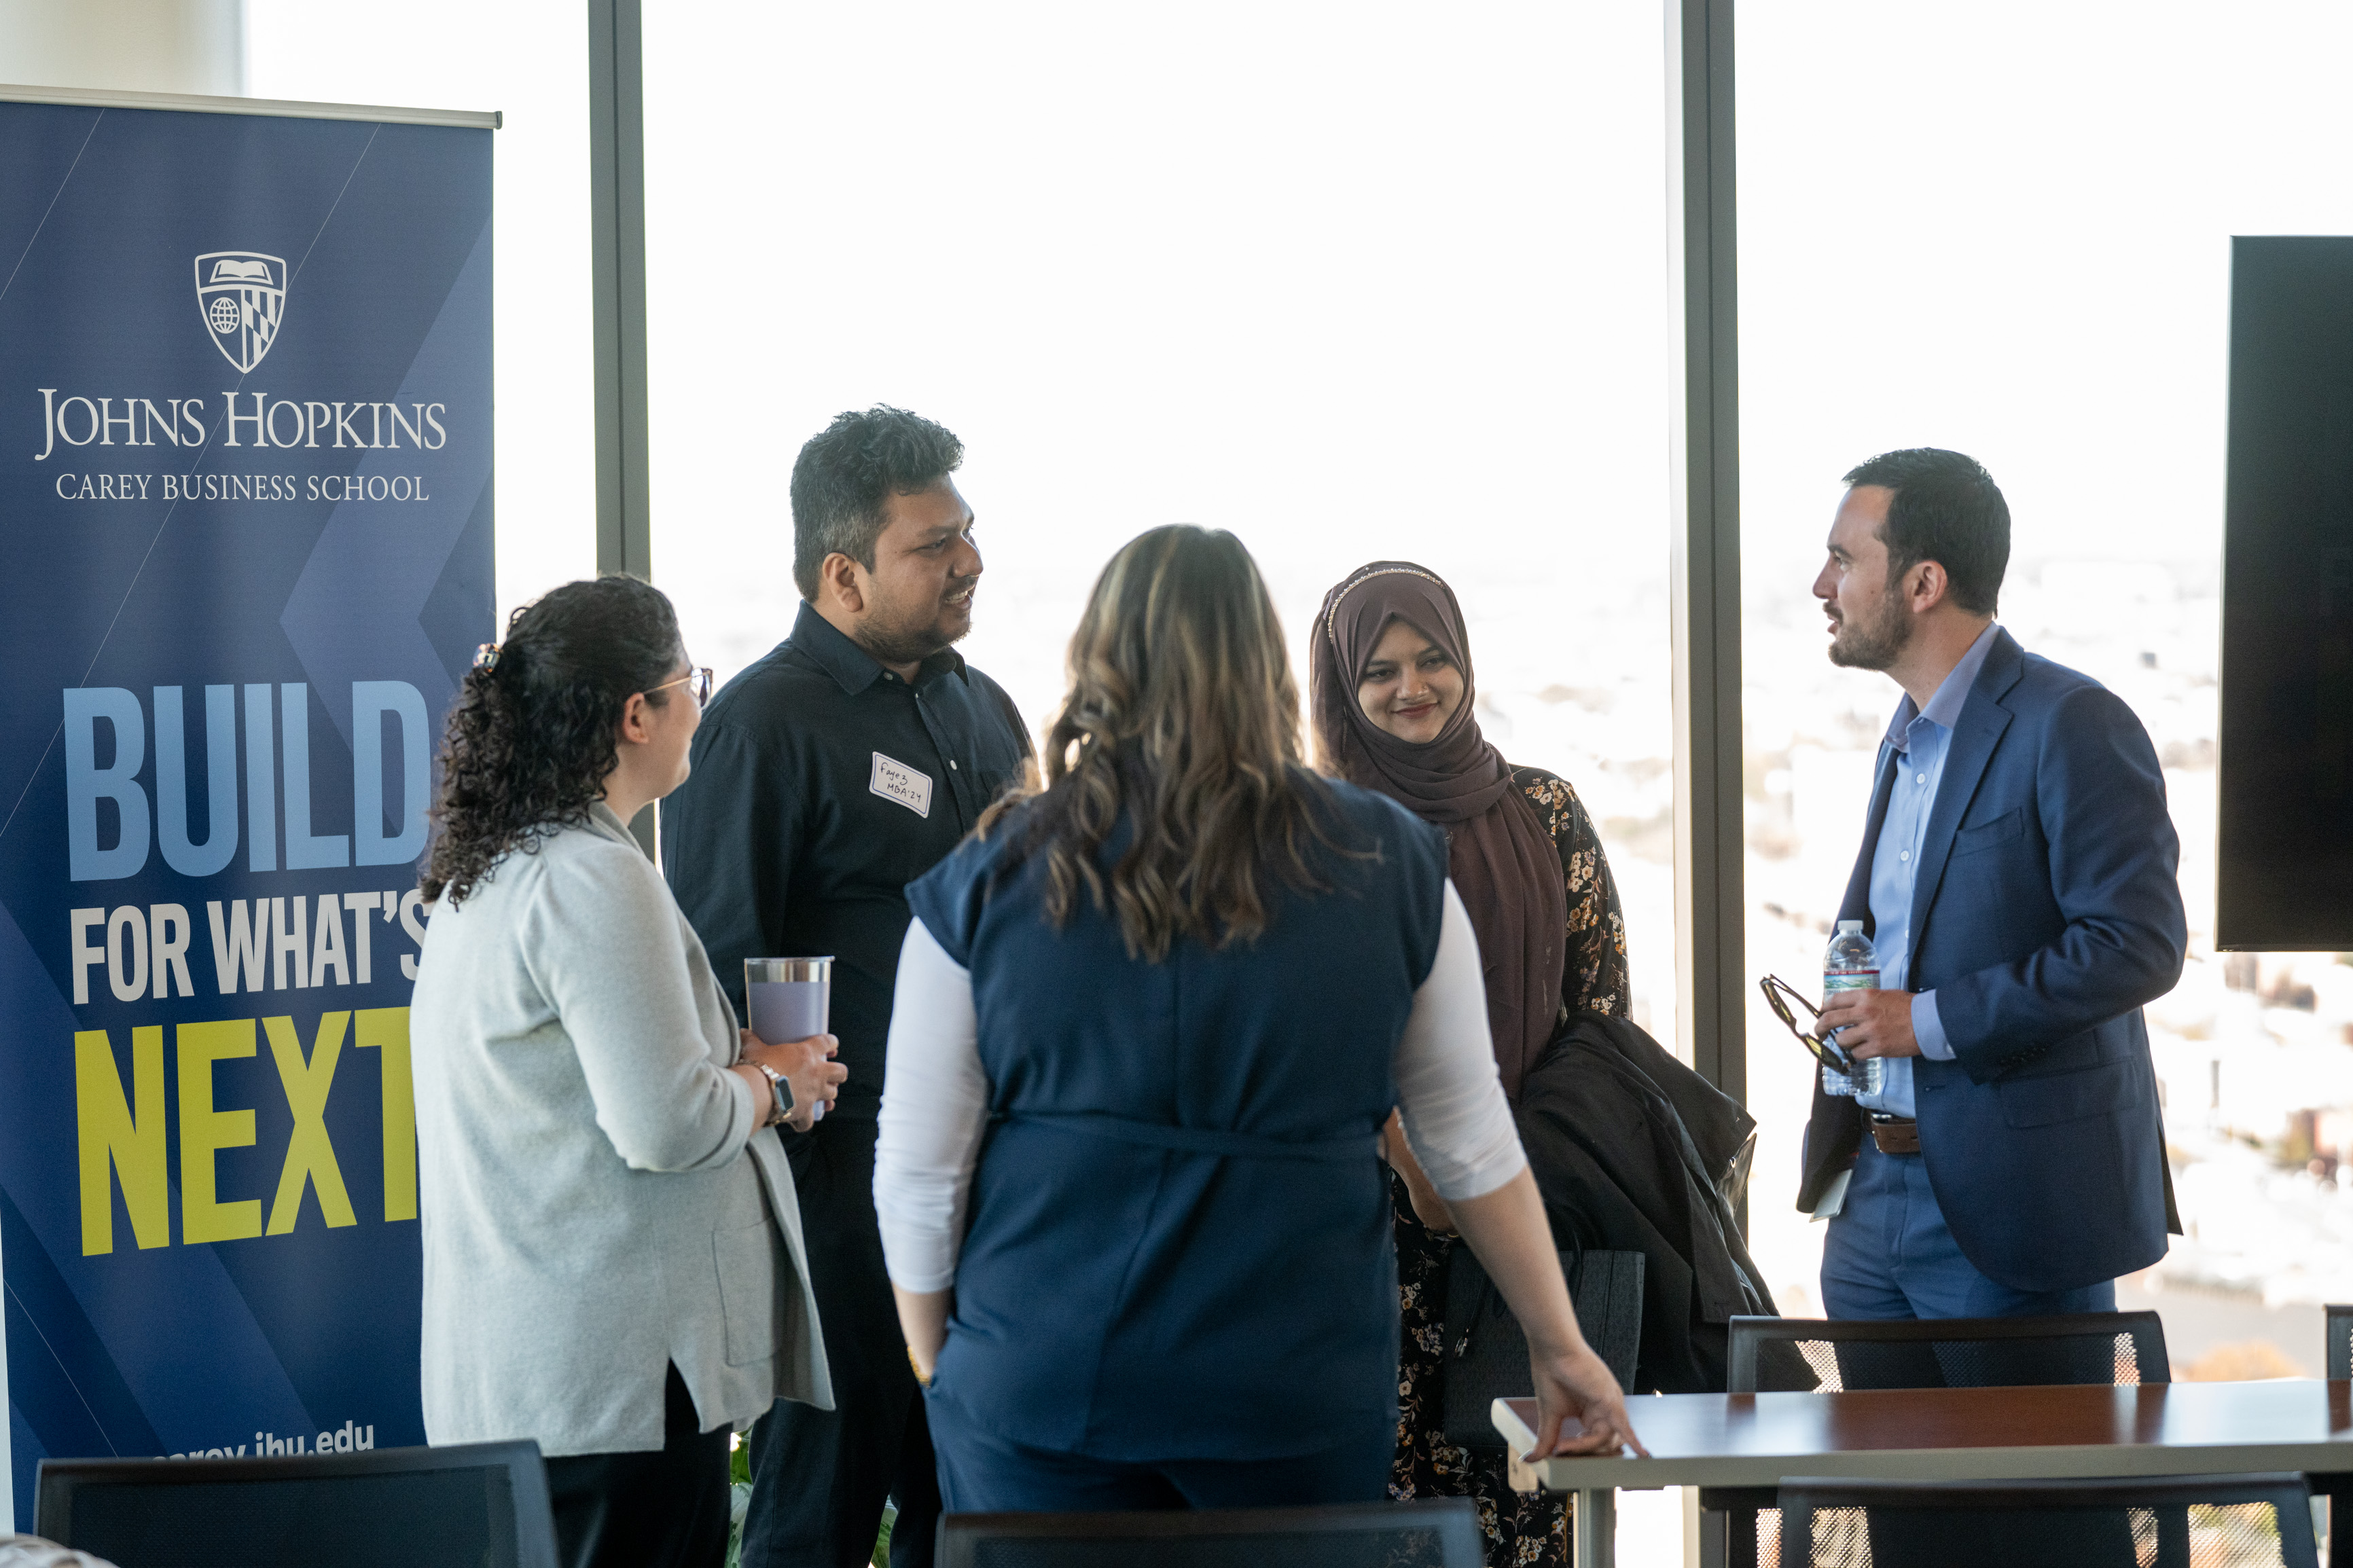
(1958, 1434)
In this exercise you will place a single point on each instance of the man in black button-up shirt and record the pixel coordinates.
(823, 785)
(826, 776)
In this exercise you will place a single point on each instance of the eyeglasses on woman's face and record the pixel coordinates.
(700, 679)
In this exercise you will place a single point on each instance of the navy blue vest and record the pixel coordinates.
(1179, 1244)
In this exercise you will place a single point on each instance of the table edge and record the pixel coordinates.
(2071, 1461)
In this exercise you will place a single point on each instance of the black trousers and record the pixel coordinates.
(820, 1478)
(666, 1508)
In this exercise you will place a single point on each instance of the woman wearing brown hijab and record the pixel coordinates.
(1394, 699)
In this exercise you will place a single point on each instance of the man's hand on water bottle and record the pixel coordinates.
(1871, 1023)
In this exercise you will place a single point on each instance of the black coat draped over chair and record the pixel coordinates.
(1633, 1150)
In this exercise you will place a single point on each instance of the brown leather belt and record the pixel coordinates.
(1896, 1134)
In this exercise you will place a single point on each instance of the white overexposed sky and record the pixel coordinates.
(2005, 227)
(1183, 241)
(1351, 281)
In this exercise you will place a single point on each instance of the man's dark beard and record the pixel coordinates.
(1874, 644)
(904, 643)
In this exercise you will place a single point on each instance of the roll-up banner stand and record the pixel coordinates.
(245, 496)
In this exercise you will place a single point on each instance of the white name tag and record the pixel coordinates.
(896, 780)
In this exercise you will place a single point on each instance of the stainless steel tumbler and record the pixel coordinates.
(788, 999)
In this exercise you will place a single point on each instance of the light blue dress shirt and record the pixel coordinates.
(1919, 739)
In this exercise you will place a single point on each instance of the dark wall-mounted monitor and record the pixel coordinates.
(2286, 831)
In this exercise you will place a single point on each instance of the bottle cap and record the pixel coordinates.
(1846, 926)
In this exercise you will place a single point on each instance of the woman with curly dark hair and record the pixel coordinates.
(613, 1258)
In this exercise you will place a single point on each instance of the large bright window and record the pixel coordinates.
(1356, 282)
(2005, 228)
(1352, 282)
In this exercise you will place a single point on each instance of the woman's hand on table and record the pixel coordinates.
(1508, 1234)
(1577, 1383)
(806, 1065)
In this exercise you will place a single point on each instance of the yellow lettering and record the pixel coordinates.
(310, 1157)
(115, 1139)
(387, 1029)
(205, 1131)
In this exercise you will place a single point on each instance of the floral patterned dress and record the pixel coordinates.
(1520, 1529)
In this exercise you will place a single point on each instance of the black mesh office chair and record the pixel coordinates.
(2122, 1348)
(1950, 1352)
(2245, 1522)
(482, 1504)
(2337, 1355)
(1436, 1534)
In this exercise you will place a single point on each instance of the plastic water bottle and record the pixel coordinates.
(1849, 964)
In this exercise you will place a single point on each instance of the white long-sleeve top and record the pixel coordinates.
(935, 1097)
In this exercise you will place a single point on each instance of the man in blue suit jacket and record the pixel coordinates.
(2017, 879)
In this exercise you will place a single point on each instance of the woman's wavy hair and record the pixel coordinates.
(535, 731)
(1182, 718)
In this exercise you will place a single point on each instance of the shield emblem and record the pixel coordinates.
(242, 294)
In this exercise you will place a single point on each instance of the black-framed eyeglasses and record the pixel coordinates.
(699, 675)
(1778, 995)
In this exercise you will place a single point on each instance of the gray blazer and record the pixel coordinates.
(592, 1209)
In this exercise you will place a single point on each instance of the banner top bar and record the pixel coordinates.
(190, 103)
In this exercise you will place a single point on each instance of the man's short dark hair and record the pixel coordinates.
(1947, 509)
(844, 476)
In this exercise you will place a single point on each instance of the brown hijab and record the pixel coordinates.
(1502, 861)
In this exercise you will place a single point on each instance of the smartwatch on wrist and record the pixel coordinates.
(780, 1110)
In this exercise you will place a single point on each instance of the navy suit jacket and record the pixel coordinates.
(2045, 915)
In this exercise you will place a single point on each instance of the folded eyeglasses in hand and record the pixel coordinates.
(1778, 995)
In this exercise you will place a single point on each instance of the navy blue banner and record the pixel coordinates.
(245, 496)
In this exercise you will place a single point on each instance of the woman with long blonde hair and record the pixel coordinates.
(1150, 1022)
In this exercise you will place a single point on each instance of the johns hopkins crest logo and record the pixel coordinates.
(242, 293)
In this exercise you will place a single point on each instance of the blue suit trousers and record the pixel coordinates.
(1890, 1255)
